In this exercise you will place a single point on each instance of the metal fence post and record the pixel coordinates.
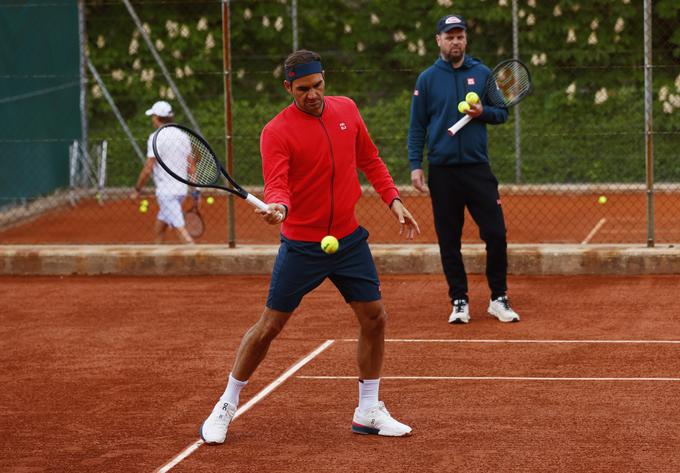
(518, 126)
(649, 129)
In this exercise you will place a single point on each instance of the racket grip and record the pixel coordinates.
(459, 124)
(255, 202)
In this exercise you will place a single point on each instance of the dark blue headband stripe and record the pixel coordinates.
(302, 70)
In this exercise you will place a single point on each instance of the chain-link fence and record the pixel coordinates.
(574, 162)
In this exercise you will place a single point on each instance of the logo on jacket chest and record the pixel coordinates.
(343, 126)
(471, 81)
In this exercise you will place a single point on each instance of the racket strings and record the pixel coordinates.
(203, 165)
(511, 83)
(186, 156)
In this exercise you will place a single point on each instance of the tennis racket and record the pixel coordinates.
(187, 157)
(508, 84)
(193, 220)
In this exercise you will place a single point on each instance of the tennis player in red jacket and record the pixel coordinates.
(311, 152)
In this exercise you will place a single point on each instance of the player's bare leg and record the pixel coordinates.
(159, 230)
(371, 416)
(254, 346)
(184, 235)
(372, 318)
(255, 343)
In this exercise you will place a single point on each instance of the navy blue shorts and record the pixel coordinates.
(302, 266)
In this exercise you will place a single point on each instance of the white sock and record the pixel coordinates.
(368, 393)
(233, 391)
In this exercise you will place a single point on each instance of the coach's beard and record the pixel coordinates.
(452, 57)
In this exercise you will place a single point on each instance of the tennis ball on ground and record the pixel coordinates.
(463, 107)
(329, 244)
(472, 98)
(602, 199)
(210, 200)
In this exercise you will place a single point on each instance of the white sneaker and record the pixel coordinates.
(378, 421)
(460, 313)
(500, 308)
(214, 429)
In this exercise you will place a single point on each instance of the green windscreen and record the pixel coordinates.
(39, 96)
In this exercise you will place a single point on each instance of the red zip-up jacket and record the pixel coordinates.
(310, 165)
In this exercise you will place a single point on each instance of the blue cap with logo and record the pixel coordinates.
(449, 22)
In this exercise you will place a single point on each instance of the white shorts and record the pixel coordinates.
(171, 210)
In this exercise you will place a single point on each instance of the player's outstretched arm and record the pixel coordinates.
(408, 225)
(275, 213)
(146, 171)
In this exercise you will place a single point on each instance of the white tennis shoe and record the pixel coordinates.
(460, 313)
(214, 429)
(378, 421)
(500, 308)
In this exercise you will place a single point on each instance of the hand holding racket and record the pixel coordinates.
(187, 157)
(507, 85)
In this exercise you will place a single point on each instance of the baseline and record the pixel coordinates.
(595, 229)
(491, 378)
(464, 340)
(246, 407)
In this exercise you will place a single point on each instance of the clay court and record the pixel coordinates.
(117, 373)
(533, 215)
(113, 349)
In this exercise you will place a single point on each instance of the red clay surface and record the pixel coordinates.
(116, 375)
(533, 218)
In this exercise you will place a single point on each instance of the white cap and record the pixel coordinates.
(160, 109)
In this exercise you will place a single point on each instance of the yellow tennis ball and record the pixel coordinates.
(329, 244)
(145, 203)
(472, 98)
(210, 200)
(602, 199)
(463, 107)
(143, 208)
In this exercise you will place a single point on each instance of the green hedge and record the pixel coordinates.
(569, 143)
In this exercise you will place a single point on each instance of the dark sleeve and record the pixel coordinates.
(493, 115)
(418, 123)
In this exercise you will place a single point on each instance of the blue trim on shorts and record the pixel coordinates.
(301, 266)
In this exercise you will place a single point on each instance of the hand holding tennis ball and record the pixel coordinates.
(329, 244)
(463, 107)
(472, 98)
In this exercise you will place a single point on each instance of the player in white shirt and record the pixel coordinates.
(169, 192)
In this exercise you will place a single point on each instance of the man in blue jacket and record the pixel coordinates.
(459, 174)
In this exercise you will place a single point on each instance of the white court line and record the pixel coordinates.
(258, 397)
(595, 229)
(493, 378)
(450, 340)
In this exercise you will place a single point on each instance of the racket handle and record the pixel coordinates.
(255, 202)
(459, 124)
